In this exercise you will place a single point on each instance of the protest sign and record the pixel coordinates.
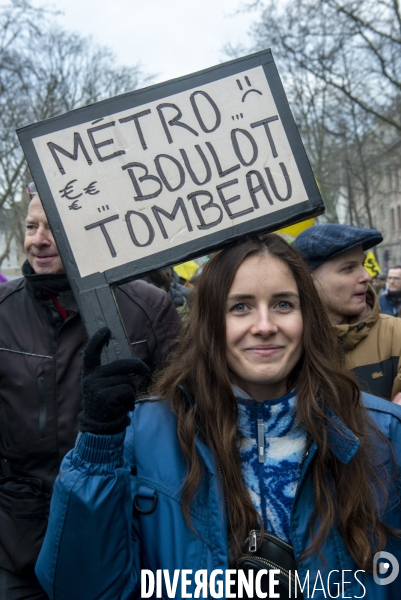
(371, 264)
(168, 173)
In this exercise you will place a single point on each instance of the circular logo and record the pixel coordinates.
(383, 567)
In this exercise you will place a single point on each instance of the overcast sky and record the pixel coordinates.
(169, 38)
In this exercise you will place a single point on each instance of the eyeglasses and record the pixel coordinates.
(31, 189)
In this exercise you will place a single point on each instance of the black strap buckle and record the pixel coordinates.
(145, 494)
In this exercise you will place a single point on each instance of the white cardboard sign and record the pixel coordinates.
(174, 171)
(147, 179)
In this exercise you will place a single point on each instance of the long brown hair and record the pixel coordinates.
(344, 493)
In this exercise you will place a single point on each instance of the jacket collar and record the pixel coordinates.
(50, 283)
(351, 335)
(341, 440)
(53, 284)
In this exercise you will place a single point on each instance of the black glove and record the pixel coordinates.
(108, 390)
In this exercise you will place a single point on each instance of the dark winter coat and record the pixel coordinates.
(40, 371)
(389, 305)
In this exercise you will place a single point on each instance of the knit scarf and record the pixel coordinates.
(272, 445)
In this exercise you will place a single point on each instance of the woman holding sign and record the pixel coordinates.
(260, 449)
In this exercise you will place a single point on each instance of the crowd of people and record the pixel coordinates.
(262, 421)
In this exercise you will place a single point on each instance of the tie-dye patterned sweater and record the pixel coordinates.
(272, 446)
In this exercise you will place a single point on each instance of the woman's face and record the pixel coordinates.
(263, 327)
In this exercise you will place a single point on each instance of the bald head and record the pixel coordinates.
(40, 247)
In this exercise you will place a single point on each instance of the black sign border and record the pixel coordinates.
(91, 289)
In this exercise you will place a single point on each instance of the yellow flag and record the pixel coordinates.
(292, 231)
(187, 269)
(371, 264)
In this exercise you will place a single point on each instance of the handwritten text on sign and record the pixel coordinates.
(171, 171)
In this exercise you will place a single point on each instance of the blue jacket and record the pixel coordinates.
(388, 306)
(96, 542)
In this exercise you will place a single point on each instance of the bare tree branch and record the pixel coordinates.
(363, 24)
(45, 71)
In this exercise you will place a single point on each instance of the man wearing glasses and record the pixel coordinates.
(390, 301)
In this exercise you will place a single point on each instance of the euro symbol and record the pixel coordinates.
(68, 190)
(91, 190)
